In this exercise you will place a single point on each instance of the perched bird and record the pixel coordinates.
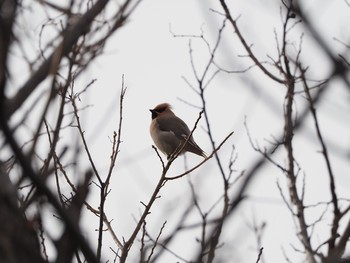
(168, 132)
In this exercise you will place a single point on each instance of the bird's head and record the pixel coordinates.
(161, 109)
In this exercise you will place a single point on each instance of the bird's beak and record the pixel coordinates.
(154, 114)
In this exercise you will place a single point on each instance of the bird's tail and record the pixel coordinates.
(192, 147)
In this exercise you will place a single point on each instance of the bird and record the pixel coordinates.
(169, 132)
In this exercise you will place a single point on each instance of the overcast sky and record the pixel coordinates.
(152, 52)
(154, 64)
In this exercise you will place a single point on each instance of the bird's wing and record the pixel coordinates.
(175, 125)
(180, 130)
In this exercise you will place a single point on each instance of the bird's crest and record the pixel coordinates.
(162, 107)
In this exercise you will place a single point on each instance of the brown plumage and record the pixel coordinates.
(168, 131)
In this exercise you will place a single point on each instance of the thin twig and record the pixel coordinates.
(202, 162)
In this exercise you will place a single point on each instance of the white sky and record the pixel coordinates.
(153, 63)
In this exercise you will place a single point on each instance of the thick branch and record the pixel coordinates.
(70, 38)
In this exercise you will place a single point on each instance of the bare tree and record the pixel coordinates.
(81, 30)
(292, 73)
(40, 172)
